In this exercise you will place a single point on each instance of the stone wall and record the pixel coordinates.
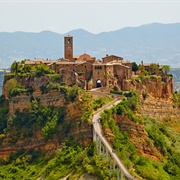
(53, 98)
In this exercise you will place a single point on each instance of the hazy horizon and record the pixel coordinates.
(88, 30)
(94, 16)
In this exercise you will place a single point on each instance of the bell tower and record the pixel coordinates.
(68, 47)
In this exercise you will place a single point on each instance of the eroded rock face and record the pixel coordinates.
(158, 108)
(80, 131)
(22, 102)
(138, 136)
(153, 86)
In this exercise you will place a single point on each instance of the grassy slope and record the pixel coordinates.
(165, 139)
(70, 159)
(75, 160)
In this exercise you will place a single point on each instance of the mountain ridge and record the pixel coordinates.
(154, 42)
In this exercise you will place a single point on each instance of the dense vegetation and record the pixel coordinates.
(22, 72)
(44, 118)
(164, 138)
(4, 109)
(72, 159)
(68, 160)
(75, 160)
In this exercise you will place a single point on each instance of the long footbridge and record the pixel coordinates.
(105, 149)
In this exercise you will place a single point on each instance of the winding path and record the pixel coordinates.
(98, 131)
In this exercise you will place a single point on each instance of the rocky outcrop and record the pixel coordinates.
(159, 108)
(138, 136)
(156, 93)
(152, 86)
(76, 131)
(73, 128)
(52, 98)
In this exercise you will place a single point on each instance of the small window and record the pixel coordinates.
(69, 41)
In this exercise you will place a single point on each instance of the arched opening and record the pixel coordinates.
(98, 83)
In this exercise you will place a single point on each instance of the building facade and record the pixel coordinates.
(86, 71)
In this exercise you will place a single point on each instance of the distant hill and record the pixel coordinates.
(150, 43)
(1, 81)
(176, 77)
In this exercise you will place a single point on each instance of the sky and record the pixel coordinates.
(95, 16)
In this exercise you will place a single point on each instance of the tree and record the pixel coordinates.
(166, 69)
(134, 66)
(43, 69)
(14, 67)
(154, 68)
(142, 68)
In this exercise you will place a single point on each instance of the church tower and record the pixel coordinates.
(68, 47)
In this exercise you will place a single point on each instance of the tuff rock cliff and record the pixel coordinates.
(73, 127)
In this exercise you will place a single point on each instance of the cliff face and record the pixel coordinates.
(152, 86)
(159, 108)
(156, 95)
(53, 98)
(138, 135)
(72, 128)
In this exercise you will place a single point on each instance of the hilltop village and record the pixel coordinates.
(42, 110)
(87, 72)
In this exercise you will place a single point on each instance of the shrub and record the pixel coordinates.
(10, 84)
(132, 100)
(42, 69)
(45, 88)
(16, 91)
(116, 92)
(54, 77)
(50, 128)
(144, 95)
(141, 77)
(158, 137)
(98, 103)
(176, 99)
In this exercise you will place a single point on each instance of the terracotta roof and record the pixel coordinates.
(31, 62)
(79, 63)
(67, 62)
(76, 56)
(38, 59)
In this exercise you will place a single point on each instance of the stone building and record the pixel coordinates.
(85, 71)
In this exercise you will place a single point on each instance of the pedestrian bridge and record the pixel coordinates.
(104, 148)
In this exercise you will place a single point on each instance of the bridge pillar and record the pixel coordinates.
(107, 154)
(121, 175)
(114, 165)
(118, 171)
(97, 143)
(110, 167)
(103, 155)
(94, 135)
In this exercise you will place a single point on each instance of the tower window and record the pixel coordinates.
(68, 41)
